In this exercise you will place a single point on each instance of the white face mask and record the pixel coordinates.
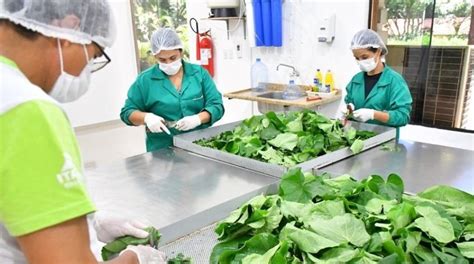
(367, 65)
(171, 68)
(68, 87)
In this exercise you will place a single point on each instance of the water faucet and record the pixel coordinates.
(295, 72)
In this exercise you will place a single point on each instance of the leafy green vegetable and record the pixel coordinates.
(287, 139)
(357, 146)
(118, 245)
(434, 224)
(316, 219)
(341, 229)
(179, 259)
(467, 249)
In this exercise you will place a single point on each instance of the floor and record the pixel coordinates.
(114, 141)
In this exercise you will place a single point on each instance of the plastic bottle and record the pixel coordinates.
(319, 78)
(329, 82)
(315, 85)
(259, 76)
(292, 91)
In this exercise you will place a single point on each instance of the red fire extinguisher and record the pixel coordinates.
(204, 47)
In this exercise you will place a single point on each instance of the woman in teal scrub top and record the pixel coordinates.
(172, 97)
(377, 94)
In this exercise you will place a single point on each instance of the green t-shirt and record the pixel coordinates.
(41, 176)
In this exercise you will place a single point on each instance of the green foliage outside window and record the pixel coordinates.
(149, 15)
(410, 14)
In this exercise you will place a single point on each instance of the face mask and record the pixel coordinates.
(171, 68)
(68, 87)
(367, 65)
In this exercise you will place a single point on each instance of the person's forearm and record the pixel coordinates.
(128, 257)
(205, 117)
(137, 118)
(381, 116)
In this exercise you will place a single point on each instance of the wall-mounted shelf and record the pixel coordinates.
(227, 19)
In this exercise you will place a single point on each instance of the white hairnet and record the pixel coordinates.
(165, 39)
(79, 21)
(367, 38)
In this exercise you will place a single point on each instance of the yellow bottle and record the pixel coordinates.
(318, 81)
(329, 81)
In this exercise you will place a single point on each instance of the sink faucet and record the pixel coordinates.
(295, 72)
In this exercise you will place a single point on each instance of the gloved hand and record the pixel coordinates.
(363, 114)
(155, 123)
(188, 122)
(343, 111)
(108, 227)
(147, 255)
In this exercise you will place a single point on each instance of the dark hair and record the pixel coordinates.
(374, 50)
(24, 32)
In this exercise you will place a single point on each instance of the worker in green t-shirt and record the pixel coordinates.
(48, 50)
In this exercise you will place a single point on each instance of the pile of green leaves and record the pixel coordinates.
(287, 139)
(316, 219)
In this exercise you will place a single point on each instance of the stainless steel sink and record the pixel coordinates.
(276, 95)
(267, 107)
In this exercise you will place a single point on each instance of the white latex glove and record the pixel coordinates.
(363, 114)
(343, 111)
(188, 123)
(147, 255)
(109, 227)
(155, 123)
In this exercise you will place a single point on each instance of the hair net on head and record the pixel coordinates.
(368, 38)
(79, 21)
(165, 39)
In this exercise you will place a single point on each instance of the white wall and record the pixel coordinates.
(109, 86)
(300, 48)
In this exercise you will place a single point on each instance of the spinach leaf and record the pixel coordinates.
(115, 247)
(286, 141)
(467, 249)
(341, 229)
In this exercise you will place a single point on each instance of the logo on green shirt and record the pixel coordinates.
(69, 176)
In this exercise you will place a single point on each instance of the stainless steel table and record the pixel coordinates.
(178, 192)
(420, 165)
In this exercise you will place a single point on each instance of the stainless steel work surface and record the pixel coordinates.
(186, 141)
(420, 165)
(176, 191)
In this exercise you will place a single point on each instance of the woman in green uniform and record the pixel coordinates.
(377, 94)
(172, 97)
